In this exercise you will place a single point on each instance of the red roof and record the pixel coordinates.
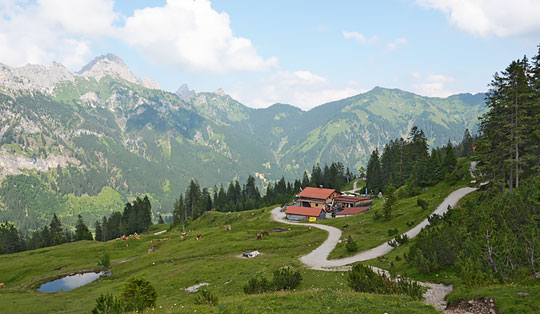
(304, 211)
(352, 210)
(319, 193)
(347, 198)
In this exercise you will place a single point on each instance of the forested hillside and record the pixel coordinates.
(85, 143)
(494, 236)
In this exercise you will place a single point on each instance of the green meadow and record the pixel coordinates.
(176, 265)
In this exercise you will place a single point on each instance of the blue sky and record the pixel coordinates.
(300, 52)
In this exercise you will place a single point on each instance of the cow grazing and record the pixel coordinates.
(199, 236)
(264, 233)
(183, 234)
(124, 237)
(228, 227)
(125, 245)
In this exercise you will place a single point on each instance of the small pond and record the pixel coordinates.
(71, 282)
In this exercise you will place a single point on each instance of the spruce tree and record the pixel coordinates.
(373, 173)
(81, 230)
(99, 231)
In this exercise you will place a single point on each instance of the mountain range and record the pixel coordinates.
(86, 142)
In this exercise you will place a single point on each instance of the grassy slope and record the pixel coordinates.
(369, 233)
(505, 295)
(176, 265)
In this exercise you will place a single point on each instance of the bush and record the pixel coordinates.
(104, 261)
(206, 297)
(392, 232)
(399, 240)
(362, 278)
(108, 304)
(256, 285)
(284, 279)
(138, 294)
(351, 246)
(422, 203)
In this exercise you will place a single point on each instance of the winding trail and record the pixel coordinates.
(318, 258)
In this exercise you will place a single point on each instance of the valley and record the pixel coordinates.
(81, 136)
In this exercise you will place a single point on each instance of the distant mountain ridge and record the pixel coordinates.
(90, 140)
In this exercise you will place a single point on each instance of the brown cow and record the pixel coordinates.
(2, 285)
(124, 237)
(199, 236)
(125, 245)
(228, 227)
(264, 233)
(183, 234)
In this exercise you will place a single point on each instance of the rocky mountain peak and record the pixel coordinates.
(108, 64)
(184, 92)
(33, 76)
(220, 92)
(112, 65)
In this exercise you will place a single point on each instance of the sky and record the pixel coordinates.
(304, 53)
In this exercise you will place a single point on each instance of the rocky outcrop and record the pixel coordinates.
(34, 77)
(184, 92)
(14, 164)
(43, 79)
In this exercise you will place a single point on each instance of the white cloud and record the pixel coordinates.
(302, 89)
(359, 37)
(396, 44)
(433, 85)
(491, 17)
(50, 30)
(189, 33)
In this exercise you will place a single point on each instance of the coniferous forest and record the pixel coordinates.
(137, 216)
(195, 201)
(494, 236)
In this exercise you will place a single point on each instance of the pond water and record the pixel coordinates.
(71, 282)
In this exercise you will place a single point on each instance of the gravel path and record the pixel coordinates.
(318, 258)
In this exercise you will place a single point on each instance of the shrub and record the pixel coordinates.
(422, 203)
(392, 232)
(206, 297)
(399, 240)
(138, 294)
(108, 304)
(408, 287)
(351, 246)
(256, 285)
(362, 278)
(104, 261)
(286, 279)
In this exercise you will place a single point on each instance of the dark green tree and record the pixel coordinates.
(99, 231)
(374, 176)
(81, 230)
